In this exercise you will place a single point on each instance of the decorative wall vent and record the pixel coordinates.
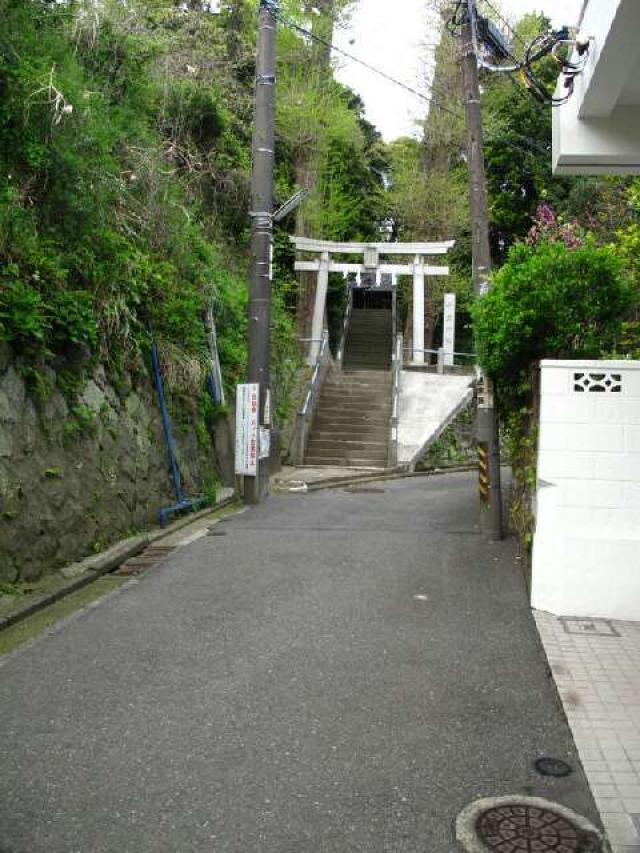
(598, 382)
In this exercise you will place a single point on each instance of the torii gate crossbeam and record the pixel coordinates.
(371, 253)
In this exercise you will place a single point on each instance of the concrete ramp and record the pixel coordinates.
(428, 404)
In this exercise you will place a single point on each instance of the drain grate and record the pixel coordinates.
(552, 767)
(365, 490)
(149, 557)
(213, 532)
(525, 825)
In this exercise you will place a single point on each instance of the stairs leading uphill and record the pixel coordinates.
(351, 425)
(369, 341)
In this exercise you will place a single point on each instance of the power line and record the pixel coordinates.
(429, 99)
(303, 31)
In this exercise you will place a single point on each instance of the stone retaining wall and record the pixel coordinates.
(74, 478)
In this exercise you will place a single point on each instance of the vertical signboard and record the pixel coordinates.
(247, 429)
(449, 328)
(265, 442)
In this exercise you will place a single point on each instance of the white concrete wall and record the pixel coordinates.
(586, 551)
(428, 403)
(598, 130)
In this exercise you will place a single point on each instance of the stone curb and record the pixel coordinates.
(105, 562)
(391, 475)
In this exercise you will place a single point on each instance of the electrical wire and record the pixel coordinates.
(546, 44)
(292, 25)
(430, 99)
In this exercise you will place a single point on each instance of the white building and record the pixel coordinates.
(598, 130)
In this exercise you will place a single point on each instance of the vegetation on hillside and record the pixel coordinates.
(125, 160)
(125, 165)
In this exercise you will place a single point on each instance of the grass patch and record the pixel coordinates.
(35, 625)
(14, 596)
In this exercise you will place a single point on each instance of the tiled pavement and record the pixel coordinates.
(596, 666)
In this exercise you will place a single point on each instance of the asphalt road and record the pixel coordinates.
(338, 673)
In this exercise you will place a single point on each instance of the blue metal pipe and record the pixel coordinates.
(182, 503)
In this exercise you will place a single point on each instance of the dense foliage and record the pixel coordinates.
(125, 140)
(549, 300)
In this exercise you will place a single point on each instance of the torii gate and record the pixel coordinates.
(371, 253)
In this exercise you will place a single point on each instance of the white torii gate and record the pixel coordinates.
(371, 253)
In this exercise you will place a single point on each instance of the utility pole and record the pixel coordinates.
(487, 422)
(259, 306)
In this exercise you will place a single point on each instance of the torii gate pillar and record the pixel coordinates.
(418, 310)
(317, 323)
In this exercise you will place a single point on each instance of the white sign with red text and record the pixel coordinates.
(247, 397)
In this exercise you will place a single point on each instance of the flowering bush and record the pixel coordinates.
(546, 226)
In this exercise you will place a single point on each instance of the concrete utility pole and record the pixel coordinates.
(259, 307)
(487, 424)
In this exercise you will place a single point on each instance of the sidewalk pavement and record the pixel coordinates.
(596, 665)
(341, 671)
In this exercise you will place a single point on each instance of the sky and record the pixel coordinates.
(395, 38)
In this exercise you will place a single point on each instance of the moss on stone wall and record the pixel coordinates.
(79, 471)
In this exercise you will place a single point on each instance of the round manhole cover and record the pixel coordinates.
(552, 767)
(525, 825)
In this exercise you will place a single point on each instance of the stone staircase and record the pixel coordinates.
(352, 421)
(369, 340)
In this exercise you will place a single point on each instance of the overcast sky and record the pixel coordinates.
(395, 37)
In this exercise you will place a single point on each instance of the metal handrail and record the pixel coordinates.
(315, 375)
(304, 415)
(345, 326)
(396, 370)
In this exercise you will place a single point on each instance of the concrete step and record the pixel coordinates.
(354, 374)
(354, 398)
(374, 444)
(364, 375)
(338, 432)
(365, 394)
(352, 358)
(375, 353)
(374, 389)
(366, 386)
(353, 365)
(359, 402)
(369, 337)
(377, 356)
(347, 420)
(333, 410)
(370, 449)
(346, 462)
(369, 344)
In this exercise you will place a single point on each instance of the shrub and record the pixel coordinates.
(549, 301)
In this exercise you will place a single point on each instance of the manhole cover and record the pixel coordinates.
(552, 767)
(365, 490)
(525, 825)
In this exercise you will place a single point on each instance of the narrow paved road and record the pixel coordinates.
(339, 672)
